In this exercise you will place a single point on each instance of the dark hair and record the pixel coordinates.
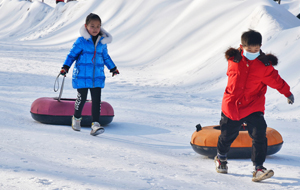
(251, 38)
(91, 17)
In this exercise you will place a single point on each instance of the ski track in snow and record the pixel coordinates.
(167, 85)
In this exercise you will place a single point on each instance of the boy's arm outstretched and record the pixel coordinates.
(273, 79)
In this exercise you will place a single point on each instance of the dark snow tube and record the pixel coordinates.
(52, 111)
(204, 141)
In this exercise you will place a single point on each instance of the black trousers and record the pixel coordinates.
(256, 126)
(96, 102)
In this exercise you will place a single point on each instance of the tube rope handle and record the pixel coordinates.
(61, 88)
(56, 81)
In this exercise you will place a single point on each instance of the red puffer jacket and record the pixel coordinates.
(247, 83)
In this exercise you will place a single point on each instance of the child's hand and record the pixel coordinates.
(114, 71)
(290, 99)
(64, 70)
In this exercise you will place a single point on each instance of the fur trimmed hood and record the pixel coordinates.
(236, 54)
(107, 38)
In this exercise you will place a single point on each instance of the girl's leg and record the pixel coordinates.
(257, 128)
(80, 101)
(96, 103)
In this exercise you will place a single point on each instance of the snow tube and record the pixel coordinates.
(52, 111)
(204, 141)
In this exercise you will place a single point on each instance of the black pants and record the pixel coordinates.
(96, 102)
(256, 126)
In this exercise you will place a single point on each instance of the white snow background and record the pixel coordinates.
(170, 54)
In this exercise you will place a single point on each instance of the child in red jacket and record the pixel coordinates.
(249, 73)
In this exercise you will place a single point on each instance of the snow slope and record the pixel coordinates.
(171, 58)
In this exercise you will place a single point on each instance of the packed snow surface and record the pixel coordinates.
(170, 55)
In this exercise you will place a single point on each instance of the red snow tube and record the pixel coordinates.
(52, 111)
(204, 141)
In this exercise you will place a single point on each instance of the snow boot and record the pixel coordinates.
(221, 165)
(76, 123)
(261, 173)
(96, 129)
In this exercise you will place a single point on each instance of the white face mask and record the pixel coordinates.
(251, 56)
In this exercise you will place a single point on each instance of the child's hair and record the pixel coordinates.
(91, 17)
(251, 38)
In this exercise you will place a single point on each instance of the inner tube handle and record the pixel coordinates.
(61, 88)
(198, 127)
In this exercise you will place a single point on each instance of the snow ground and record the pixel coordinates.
(170, 55)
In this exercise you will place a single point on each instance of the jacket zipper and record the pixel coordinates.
(94, 58)
(238, 101)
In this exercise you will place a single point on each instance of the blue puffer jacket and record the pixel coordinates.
(88, 71)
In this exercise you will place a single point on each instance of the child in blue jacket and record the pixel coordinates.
(90, 53)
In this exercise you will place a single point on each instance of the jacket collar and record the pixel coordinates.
(236, 55)
(106, 37)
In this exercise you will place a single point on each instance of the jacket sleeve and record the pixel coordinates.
(107, 60)
(74, 53)
(273, 79)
